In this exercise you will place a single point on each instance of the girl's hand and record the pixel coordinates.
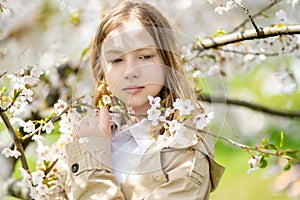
(95, 125)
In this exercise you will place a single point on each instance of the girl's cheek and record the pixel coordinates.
(113, 79)
(155, 73)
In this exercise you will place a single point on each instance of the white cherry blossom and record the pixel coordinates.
(26, 177)
(168, 112)
(42, 190)
(154, 102)
(65, 125)
(282, 17)
(19, 109)
(184, 107)
(38, 138)
(175, 126)
(7, 152)
(220, 10)
(202, 120)
(37, 177)
(60, 106)
(33, 193)
(26, 95)
(164, 140)
(153, 115)
(48, 127)
(254, 162)
(17, 121)
(36, 73)
(210, 116)
(44, 152)
(29, 127)
(106, 100)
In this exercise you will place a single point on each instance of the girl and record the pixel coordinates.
(135, 60)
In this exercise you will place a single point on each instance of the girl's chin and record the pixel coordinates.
(139, 108)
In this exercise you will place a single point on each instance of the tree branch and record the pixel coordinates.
(251, 34)
(15, 138)
(252, 106)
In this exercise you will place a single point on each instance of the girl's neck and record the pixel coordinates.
(141, 111)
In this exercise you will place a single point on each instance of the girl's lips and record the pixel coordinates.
(134, 89)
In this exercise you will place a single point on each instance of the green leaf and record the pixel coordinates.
(282, 137)
(163, 108)
(214, 58)
(184, 60)
(287, 166)
(219, 32)
(50, 116)
(85, 52)
(4, 89)
(263, 163)
(75, 17)
(16, 94)
(264, 141)
(270, 146)
(46, 163)
(293, 153)
(264, 15)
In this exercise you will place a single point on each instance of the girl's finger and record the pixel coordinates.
(104, 122)
(75, 133)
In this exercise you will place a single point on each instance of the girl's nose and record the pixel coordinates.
(132, 73)
(132, 70)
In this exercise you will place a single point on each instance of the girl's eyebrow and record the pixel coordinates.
(121, 51)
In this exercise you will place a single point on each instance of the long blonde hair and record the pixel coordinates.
(157, 25)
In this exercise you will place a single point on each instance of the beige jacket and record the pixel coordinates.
(189, 173)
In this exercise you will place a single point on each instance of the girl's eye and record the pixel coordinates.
(117, 60)
(145, 57)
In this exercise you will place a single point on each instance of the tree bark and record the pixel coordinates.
(251, 34)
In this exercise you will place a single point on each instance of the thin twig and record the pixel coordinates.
(255, 15)
(15, 138)
(53, 119)
(3, 73)
(252, 106)
(51, 167)
(243, 146)
(258, 31)
(245, 53)
(256, 53)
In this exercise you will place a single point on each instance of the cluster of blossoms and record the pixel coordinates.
(175, 128)
(49, 179)
(247, 55)
(23, 95)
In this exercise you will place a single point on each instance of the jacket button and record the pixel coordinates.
(75, 167)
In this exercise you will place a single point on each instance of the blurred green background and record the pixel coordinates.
(236, 183)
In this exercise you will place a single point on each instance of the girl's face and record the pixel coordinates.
(132, 66)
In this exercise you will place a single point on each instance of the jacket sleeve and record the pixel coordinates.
(91, 173)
